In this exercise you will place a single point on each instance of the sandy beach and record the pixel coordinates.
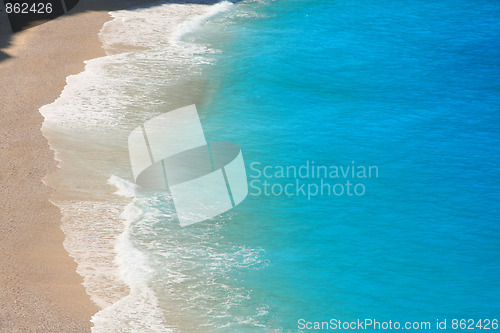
(39, 288)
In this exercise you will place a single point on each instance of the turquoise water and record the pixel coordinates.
(409, 87)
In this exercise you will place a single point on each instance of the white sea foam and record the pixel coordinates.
(138, 311)
(125, 188)
(145, 56)
(153, 30)
(191, 26)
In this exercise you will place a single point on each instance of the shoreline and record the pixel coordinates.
(41, 290)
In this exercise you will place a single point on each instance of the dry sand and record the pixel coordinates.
(39, 288)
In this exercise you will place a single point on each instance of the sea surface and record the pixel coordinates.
(370, 132)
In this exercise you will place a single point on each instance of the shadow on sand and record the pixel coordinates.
(6, 32)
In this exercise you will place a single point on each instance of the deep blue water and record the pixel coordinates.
(412, 87)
